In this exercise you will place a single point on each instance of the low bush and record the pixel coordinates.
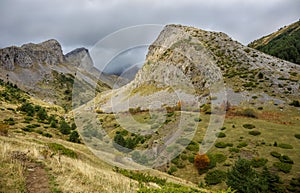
(242, 144)
(275, 154)
(249, 126)
(297, 136)
(221, 135)
(258, 162)
(254, 133)
(172, 170)
(295, 103)
(219, 157)
(58, 148)
(215, 177)
(221, 145)
(284, 167)
(247, 113)
(285, 146)
(286, 159)
(234, 150)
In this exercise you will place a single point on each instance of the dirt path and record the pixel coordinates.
(37, 179)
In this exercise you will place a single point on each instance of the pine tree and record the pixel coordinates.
(245, 179)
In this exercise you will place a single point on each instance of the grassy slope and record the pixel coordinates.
(85, 173)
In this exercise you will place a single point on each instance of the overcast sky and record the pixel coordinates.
(82, 23)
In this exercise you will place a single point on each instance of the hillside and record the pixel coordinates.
(202, 91)
(283, 44)
(42, 152)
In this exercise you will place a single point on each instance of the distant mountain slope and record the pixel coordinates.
(43, 71)
(192, 51)
(284, 44)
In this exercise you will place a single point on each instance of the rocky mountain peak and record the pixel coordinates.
(80, 57)
(49, 52)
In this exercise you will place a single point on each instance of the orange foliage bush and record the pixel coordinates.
(201, 161)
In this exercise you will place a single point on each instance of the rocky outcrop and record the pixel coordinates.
(80, 57)
(48, 52)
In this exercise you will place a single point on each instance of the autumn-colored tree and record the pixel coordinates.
(201, 161)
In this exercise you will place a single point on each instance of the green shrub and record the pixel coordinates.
(27, 108)
(215, 177)
(254, 133)
(58, 148)
(221, 135)
(64, 128)
(221, 145)
(275, 154)
(286, 159)
(9, 121)
(219, 157)
(172, 170)
(197, 119)
(258, 162)
(74, 137)
(285, 146)
(242, 144)
(284, 167)
(249, 126)
(193, 146)
(297, 136)
(47, 135)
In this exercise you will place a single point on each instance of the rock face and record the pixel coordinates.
(80, 57)
(49, 52)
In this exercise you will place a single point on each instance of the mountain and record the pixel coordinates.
(200, 92)
(283, 44)
(185, 57)
(43, 71)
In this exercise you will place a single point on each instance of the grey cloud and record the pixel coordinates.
(77, 23)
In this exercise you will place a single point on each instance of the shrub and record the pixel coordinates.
(219, 157)
(295, 103)
(249, 126)
(27, 108)
(254, 133)
(201, 161)
(284, 167)
(275, 154)
(197, 119)
(247, 113)
(221, 135)
(286, 159)
(58, 148)
(9, 121)
(258, 162)
(297, 136)
(42, 114)
(215, 177)
(3, 129)
(222, 145)
(242, 144)
(74, 137)
(64, 128)
(235, 150)
(172, 170)
(193, 146)
(47, 135)
(285, 146)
